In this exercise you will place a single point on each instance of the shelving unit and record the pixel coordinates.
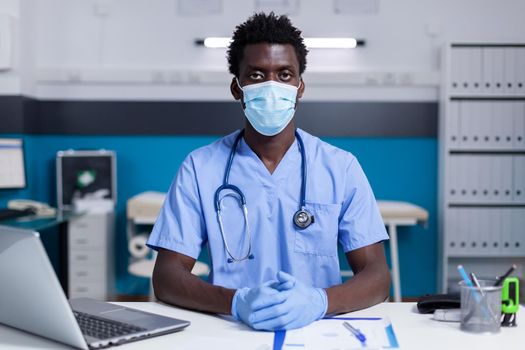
(482, 161)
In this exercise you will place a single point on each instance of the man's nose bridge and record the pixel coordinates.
(272, 76)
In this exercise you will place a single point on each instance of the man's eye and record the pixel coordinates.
(256, 76)
(286, 76)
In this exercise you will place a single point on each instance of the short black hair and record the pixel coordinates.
(265, 28)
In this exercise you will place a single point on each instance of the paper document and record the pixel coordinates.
(331, 334)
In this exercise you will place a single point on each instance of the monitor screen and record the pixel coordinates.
(12, 169)
(83, 174)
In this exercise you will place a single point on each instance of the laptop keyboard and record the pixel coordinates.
(103, 329)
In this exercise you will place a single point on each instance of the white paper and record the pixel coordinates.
(331, 334)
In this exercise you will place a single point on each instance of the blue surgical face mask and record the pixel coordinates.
(269, 106)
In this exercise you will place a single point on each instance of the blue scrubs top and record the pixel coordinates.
(337, 194)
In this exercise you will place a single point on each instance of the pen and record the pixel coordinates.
(499, 280)
(356, 332)
(476, 282)
(464, 275)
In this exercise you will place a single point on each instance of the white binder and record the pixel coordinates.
(520, 75)
(462, 180)
(465, 116)
(507, 176)
(455, 70)
(519, 125)
(495, 228)
(455, 179)
(462, 176)
(507, 124)
(485, 122)
(498, 71)
(474, 231)
(451, 181)
(518, 234)
(510, 71)
(519, 180)
(464, 57)
(488, 70)
(463, 229)
(453, 125)
(484, 233)
(497, 126)
(496, 180)
(476, 126)
(473, 70)
(452, 231)
(506, 230)
(475, 178)
(485, 194)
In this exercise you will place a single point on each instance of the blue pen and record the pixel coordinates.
(356, 332)
(467, 280)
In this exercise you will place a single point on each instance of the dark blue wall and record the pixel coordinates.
(398, 169)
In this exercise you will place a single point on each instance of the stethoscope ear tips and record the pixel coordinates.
(230, 260)
(251, 257)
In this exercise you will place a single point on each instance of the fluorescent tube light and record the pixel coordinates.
(330, 43)
(217, 42)
(311, 43)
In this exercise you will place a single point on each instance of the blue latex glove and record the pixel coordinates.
(301, 306)
(246, 301)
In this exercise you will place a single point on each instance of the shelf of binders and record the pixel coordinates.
(487, 125)
(497, 179)
(482, 153)
(485, 231)
(492, 70)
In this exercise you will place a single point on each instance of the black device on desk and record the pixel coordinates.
(83, 323)
(6, 213)
(427, 304)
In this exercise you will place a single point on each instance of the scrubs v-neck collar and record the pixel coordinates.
(290, 160)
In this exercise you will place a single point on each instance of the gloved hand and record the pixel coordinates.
(246, 301)
(301, 306)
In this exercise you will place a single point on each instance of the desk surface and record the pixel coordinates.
(40, 223)
(414, 331)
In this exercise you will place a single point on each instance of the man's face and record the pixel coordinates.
(264, 62)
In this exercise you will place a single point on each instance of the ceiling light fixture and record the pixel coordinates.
(311, 43)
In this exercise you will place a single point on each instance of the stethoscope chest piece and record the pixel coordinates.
(302, 219)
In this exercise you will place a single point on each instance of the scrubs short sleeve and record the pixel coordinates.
(180, 225)
(360, 223)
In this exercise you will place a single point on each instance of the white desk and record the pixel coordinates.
(414, 331)
(399, 214)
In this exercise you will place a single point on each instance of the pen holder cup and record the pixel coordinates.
(480, 307)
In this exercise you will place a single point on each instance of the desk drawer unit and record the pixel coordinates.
(90, 256)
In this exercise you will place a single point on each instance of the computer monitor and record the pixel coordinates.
(12, 169)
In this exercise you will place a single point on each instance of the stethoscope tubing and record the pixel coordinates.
(242, 199)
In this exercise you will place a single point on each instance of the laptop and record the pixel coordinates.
(31, 299)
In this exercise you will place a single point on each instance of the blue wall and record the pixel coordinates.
(398, 169)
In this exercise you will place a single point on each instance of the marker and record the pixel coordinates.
(356, 332)
(500, 280)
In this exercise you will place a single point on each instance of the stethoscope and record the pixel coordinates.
(302, 218)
